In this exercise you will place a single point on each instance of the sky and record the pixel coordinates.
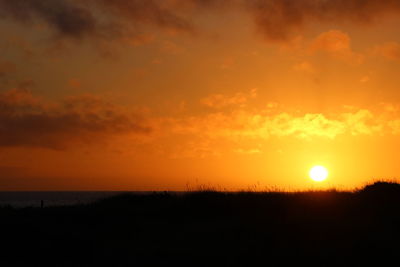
(187, 94)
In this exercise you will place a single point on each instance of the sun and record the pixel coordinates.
(318, 173)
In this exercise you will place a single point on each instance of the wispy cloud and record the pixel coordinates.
(238, 99)
(390, 50)
(305, 67)
(336, 44)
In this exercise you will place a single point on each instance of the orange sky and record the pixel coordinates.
(171, 95)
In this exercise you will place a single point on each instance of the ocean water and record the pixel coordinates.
(33, 199)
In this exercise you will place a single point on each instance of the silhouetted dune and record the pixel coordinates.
(326, 228)
(382, 188)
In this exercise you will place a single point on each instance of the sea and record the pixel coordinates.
(53, 198)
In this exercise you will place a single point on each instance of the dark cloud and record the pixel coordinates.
(275, 19)
(28, 121)
(113, 19)
(278, 19)
(65, 17)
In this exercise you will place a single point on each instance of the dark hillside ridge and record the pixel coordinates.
(210, 229)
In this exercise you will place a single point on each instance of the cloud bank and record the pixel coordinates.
(26, 120)
(94, 18)
(276, 20)
(240, 125)
(29, 121)
(245, 122)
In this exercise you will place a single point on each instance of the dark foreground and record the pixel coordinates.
(210, 229)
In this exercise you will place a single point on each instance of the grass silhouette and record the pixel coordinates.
(210, 228)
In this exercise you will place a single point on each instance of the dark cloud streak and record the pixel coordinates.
(27, 121)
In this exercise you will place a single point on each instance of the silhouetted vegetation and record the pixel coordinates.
(208, 228)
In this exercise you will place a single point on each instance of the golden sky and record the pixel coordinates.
(174, 94)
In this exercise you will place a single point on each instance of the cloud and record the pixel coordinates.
(221, 101)
(363, 122)
(65, 17)
(280, 19)
(276, 20)
(170, 47)
(152, 12)
(106, 19)
(304, 66)
(248, 151)
(337, 44)
(249, 130)
(25, 47)
(227, 63)
(390, 50)
(365, 79)
(241, 125)
(333, 43)
(395, 127)
(74, 83)
(139, 39)
(26, 120)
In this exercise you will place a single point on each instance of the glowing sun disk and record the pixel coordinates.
(318, 173)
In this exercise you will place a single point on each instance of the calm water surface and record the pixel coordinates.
(33, 199)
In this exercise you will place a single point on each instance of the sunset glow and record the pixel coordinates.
(200, 132)
(166, 95)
